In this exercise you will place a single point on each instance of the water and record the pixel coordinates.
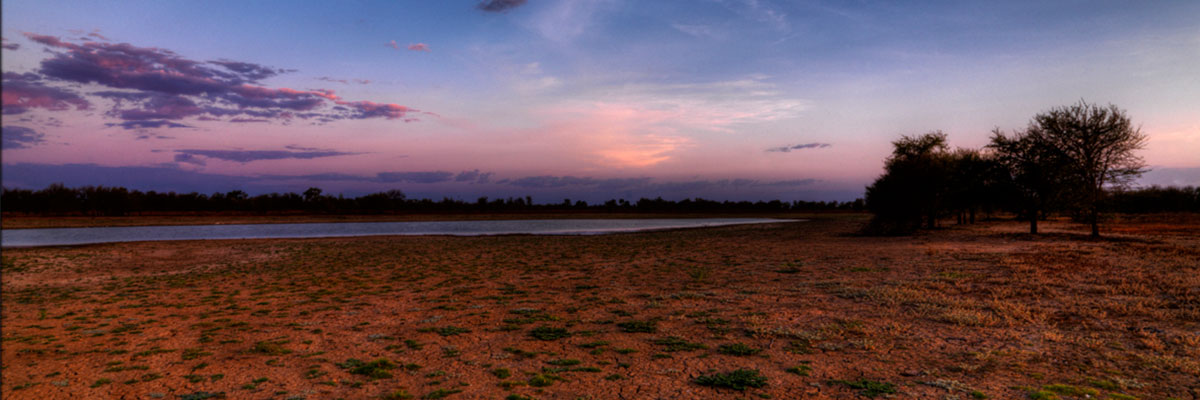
(75, 236)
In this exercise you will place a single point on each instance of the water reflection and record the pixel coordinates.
(74, 236)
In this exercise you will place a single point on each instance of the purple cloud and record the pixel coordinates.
(473, 176)
(415, 177)
(9, 46)
(244, 156)
(22, 92)
(189, 159)
(787, 149)
(499, 5)
(147, 124)
(19, 137)
(546, 181)
(157, 84)
(249, 71)
(345, 81)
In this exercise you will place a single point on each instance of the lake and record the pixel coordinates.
(76, 236)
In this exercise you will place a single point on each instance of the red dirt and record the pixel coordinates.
(977, 308)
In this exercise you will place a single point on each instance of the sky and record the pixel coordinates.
(584, 99)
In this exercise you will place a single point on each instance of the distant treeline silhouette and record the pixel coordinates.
(57, 199)
(1077, 160)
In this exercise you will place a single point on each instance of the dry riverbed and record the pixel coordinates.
(799, 310)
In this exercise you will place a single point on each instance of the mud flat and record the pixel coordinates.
(775, 310)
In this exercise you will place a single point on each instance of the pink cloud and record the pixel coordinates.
(613, 134)
(419, 47)
(24, 91)
(393, 45)
(49, 40)
(370, 109)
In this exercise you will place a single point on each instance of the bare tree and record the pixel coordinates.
(1097, 144)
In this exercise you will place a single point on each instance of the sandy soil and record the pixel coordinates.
(963, 312)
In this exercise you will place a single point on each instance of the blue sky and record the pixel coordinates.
(587, 99)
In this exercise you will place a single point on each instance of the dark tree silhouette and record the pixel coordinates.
(312, 194)
(1155, 199)
(1036, 172)
(975, 182)
(912, 186)
(1097, 145)
(57, 199)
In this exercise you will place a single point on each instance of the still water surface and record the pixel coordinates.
(74, 236)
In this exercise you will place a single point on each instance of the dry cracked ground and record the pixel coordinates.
(795, 310)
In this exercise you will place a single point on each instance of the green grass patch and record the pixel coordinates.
(866, 387)
(638, 326)
(802, 370)
(378, 369)
(738, 349)
(740, 379)
(543, 380)
(272, 348)
(440, 393)
(549, 333)
(447, 330)
(673, 344)
(564, 362)
(1069, 390)
(400, 394)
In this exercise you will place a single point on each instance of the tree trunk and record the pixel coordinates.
(932, 220)
(1095, 217)
(1033, 217)
(972, 215)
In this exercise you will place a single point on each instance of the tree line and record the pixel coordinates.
(1077, 160)
(57, 199)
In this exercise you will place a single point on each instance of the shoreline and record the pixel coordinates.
(48, 222)
(444, 231)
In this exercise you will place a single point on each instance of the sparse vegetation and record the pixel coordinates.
(377, 369)
(638, 326)
(530, 316)
(740, 379)
(673, 343)
(867, 387)
(738, 349)
(549, 333)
